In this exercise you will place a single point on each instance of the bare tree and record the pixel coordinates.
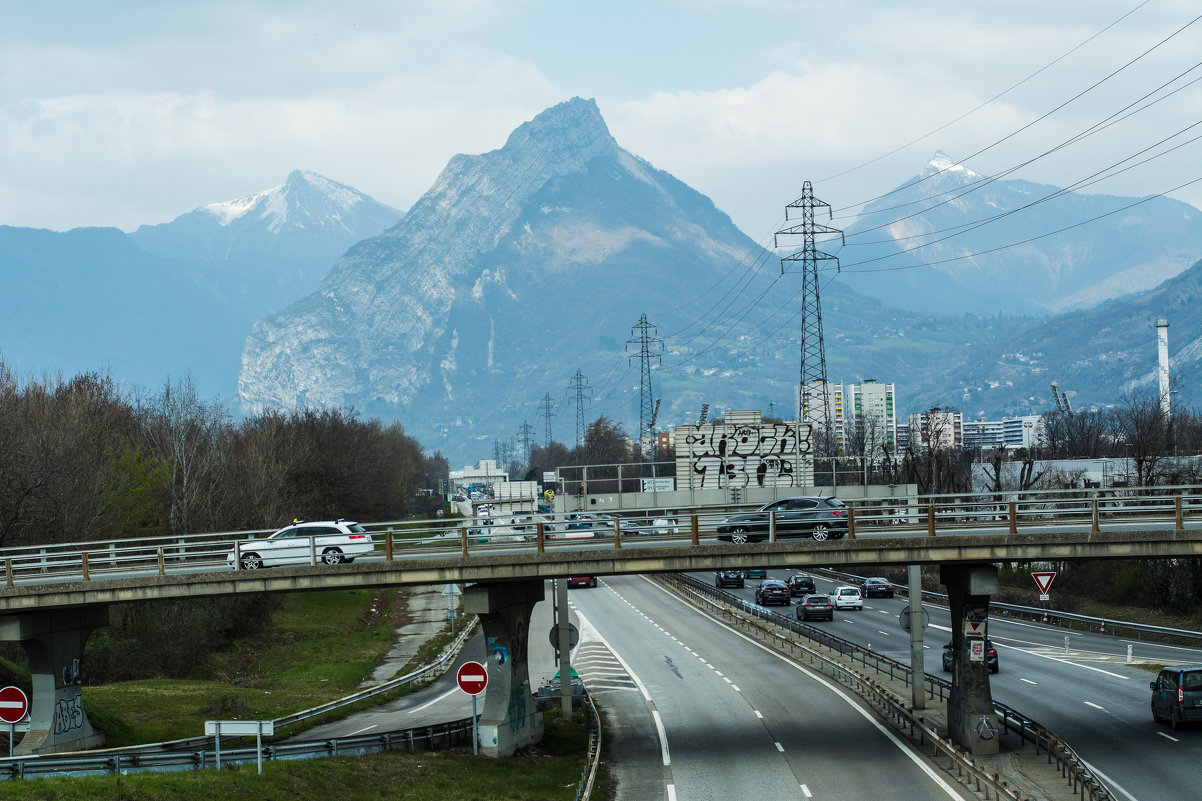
(185, 432)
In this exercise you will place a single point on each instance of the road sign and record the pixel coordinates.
(1044, 580)
(472, 678)
(974, 628)
(573, 636)
(976, 651)
(903, 619)
(13, 704)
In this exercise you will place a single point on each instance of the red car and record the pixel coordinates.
(582, 581)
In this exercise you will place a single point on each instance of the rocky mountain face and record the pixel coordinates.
(922, 247)
(513, 266)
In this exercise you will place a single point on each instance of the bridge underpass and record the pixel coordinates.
(53, 620)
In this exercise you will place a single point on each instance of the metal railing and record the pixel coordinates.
(1001, 513)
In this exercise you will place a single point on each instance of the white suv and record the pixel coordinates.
(329, 542)
(847, 598)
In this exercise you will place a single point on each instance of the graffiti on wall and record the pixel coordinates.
(745, 456)
(68, 714)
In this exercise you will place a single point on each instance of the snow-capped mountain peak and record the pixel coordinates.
(943, 163)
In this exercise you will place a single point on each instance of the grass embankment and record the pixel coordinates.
(320, 647)
(548, 772)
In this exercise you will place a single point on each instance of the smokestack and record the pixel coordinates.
(1162, 348)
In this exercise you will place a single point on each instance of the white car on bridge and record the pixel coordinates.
(328, 542)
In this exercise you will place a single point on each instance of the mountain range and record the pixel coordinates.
(520, 266)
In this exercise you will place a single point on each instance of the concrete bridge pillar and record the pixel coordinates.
(54, 640)
(510, 719)
(971, 721)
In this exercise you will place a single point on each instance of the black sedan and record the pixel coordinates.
(801, 585)
(815, 607)
(990, 657)
(772, 591)
(817, 517)
(876, 588)
(729, 578)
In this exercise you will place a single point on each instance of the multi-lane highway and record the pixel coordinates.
(1088, 695)
(696, 710)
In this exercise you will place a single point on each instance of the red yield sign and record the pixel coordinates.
(13, 704)
(1044, 580)
(472, 678)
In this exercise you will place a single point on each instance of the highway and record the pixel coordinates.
(1088, 696)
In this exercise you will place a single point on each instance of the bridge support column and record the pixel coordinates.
(971, 720)
(510, 719)
(54, 640)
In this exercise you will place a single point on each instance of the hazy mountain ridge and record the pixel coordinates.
(1132, 246)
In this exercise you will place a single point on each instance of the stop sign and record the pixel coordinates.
(13, 704)
(472, 678)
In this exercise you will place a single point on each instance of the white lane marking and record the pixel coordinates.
(435, 701)
(1028, 681)
(728, 681)
(718, 673)
(758, 715)
(659, 724)
(1167, 737)
(736, 688)
(663, 737)
(1064, 661)
(1111, 783)
(671, 792)
(806, 791)
(780, 748)
(918, 760)
(352, 734)
(878, 631)
(1095, 706)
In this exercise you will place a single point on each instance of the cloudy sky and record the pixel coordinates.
(133, 112)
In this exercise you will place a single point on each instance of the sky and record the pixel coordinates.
(130, 113)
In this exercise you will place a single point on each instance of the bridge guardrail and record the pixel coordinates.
(999, 513)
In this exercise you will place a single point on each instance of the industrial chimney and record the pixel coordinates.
(1162, 348)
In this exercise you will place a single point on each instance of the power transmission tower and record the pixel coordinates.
(524, 438)
(547, 415)
(813, 353)
(583, 392)
(648, 406)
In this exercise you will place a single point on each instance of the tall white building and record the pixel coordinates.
(871, 407)
(937, 428)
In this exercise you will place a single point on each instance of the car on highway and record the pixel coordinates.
(818, 517)
(772, 591)
(582, 581)
(990, 656)
(1177, 695)
(815, 606)
(877, 588)
(328, 542)
(800, 585)
(847, 597)
(729, 578)
(665, 525)
(756, 572)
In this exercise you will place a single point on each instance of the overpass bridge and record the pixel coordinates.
(54, 596)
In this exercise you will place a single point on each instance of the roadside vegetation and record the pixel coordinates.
(548, 772)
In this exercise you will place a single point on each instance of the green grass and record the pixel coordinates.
(321, 647)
